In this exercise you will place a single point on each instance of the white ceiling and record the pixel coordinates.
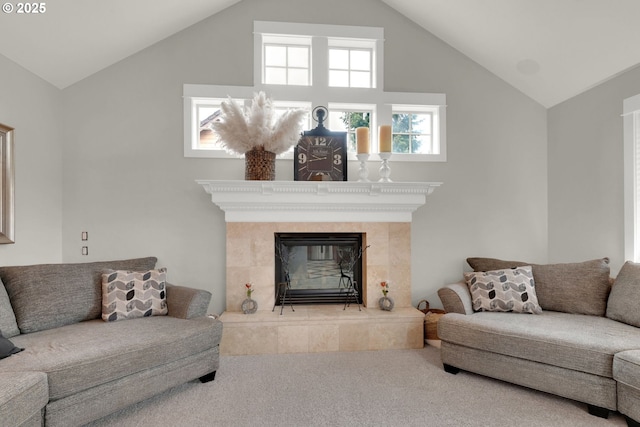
(549, 49)
(76, 38)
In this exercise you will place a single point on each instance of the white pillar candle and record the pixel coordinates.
(362, 140)
(384, 139)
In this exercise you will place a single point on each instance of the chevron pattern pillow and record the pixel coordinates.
(511, 289)
(132, 294)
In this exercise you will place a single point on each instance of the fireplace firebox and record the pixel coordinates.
(319, 268)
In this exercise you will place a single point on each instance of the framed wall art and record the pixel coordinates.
(6, 185)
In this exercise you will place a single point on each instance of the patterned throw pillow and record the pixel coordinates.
(510, 289)
(132, 294)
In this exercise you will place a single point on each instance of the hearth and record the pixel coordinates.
(320, 268)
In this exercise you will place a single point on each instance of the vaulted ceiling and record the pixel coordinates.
(550, 50)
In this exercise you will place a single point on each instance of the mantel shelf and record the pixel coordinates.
(318, 201)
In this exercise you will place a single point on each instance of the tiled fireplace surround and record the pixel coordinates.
(256, 210)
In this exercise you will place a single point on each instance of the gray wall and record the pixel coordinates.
(586, 217)
(31, 106)
(127, 183)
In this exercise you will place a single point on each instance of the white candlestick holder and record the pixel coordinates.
(385, 170)
(363, 173)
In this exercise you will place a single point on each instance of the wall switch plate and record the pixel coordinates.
(85, 235)
(85, 250)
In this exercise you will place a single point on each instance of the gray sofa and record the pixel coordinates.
(75, 367)
(584, 344)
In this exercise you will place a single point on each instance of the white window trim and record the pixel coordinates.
(324, 33)
(350, 69)
(357, 108)
(631, 111)
(286, 41)
(194, 93)
(321, 35)
(191, 94)
(319, 93)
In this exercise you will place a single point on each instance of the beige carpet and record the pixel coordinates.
(383, 388)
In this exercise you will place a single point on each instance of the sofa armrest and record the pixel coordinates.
(456, 298)
(187, 303)
(23, 397)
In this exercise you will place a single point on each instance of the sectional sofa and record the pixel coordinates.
(72, 362)
(559, 328)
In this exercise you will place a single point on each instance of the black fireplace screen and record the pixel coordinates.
(319, 267)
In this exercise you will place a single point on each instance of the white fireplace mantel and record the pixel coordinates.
(318, 201)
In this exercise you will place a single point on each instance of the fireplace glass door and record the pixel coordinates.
(319, 267)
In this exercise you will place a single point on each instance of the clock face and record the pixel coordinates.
(321, 158)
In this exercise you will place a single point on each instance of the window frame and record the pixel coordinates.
(631, 150)
(419, 109)
(349, 70)
(194, 95)
(287, 42)
(319, 92)
(355, 108)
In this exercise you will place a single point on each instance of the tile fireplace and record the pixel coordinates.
(380, 213)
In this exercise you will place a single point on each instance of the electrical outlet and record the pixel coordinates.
(85, 236)
(85, 250)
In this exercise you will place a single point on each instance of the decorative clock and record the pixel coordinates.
(321, 155)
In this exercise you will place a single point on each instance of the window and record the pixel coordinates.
(286, 60)
(348, 117)
(338, 66)
(631, 123)
(413, 130)
(350, 68)
(206, 113)
(352, 62)
(206, 110)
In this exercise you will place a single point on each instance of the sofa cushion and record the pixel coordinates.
(133, 294)
(578, 342)
(625, 295)
(510, 289)
(46, 296)
(8, 324)
(87, 354)
(581, 288)
(487, 264)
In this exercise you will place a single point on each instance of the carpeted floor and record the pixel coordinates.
(381, 388)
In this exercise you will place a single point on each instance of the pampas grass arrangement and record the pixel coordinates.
(242, 130)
